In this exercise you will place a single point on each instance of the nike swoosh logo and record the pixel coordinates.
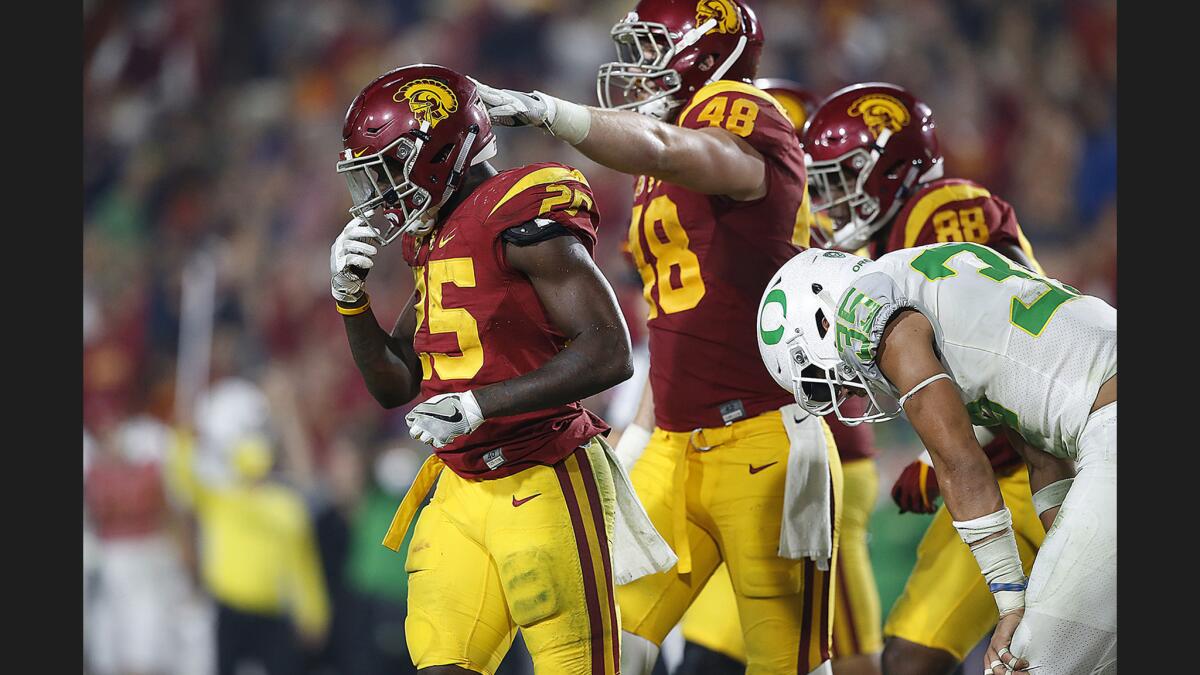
(447, 238)
(360, 152)
(756, 469)
(518, 502)
(445, 418)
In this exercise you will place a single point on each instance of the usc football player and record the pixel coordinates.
(713, 635)
(510, 325)
(719, 202)
(876, 172)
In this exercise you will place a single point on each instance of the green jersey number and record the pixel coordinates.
(1031, 318)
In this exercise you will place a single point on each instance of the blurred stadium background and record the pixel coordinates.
(210, 134)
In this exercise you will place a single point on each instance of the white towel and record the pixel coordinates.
(807, 530)
(637, 548)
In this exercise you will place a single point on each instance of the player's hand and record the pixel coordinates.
(997, 660)
(350, 260)
(444, 418)
(910, 495)
(517, 108)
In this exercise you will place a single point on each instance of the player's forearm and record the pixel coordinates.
(640, 145)
(595, 360)
(967, 483)
(388, 365)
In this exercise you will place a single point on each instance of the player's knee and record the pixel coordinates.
(529, 586)
(637, 654)
(901, 657)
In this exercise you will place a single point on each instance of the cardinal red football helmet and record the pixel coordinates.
(661, 47)
(866, 147)
(799, 102)
(408, 138)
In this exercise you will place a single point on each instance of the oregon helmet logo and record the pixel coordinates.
(722, 11)
(430, 101)
(879, 112)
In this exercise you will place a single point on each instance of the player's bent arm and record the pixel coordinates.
(907, 358)
(583, 307)
(388, 363)
(968, 486)
(709, 161)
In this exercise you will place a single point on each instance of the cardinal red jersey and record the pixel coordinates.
(705, 260)
(479, 321)
(954, 209)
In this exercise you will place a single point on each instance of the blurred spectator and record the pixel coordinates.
(259, 559)
(137, 577)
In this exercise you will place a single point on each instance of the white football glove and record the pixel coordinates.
(509, 108)
(444, 418)
(350, 250)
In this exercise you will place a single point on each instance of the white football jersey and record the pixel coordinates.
(1023, 349)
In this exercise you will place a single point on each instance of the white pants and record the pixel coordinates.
(1070, 623)
(132, 627)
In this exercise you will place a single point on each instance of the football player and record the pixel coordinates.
(877, 179)
(956, 334)
(510, 325)
(719, 201)
(714, 638)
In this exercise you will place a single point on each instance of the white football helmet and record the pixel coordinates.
(797, 335)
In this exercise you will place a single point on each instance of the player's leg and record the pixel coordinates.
(652, 605)
(1070, 622)
(549, 530)
(712, 630)
(457, 620)
(857, 620)
(946, 608)
(785, 606)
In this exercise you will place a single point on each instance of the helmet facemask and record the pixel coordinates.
(641, 79)
(821, 381)
(836, 188)
(374, 186)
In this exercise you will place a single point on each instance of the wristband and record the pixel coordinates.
(1052, 495)
(998, 558)
(353, 311)
(572, 121)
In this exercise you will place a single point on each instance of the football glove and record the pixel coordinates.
(444, 418)
(350, 260)
(916, 488)
(509, 108)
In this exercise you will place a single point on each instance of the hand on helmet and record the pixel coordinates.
(509, 108)
(517, 109)
(911, 493)
(350, 260)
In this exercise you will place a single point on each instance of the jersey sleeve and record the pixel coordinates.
(963, 211)
(553, 192)
(745, 111)
(863, 313)
(757, 118)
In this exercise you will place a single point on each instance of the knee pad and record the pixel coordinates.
(637, 654)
